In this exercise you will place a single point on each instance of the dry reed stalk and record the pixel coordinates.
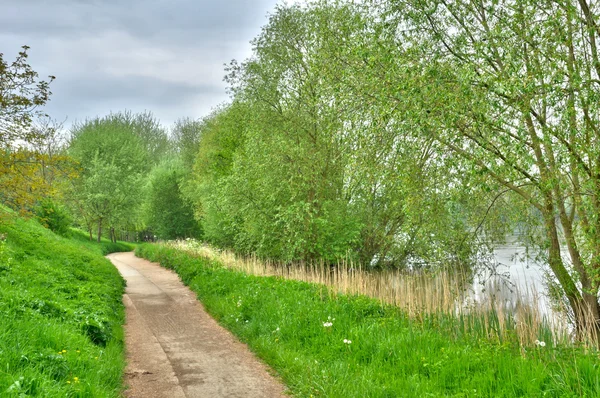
(418, 294)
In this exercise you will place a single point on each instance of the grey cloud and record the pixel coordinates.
(99, 96)
(162, 20)
(165, 56)
(151, 90)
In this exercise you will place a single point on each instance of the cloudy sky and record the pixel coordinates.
(164, 56)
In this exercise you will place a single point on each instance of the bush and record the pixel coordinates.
(54, 217)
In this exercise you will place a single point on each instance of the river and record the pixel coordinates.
(516, 277)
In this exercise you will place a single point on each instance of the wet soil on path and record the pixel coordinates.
(175, 349)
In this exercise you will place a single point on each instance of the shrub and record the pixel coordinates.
(53, 216)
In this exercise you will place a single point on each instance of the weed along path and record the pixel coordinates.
(175, 349)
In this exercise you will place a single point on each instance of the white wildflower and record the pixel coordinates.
(327, 324)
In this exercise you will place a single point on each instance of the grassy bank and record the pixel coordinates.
(61, 312)
(489, 314)
(103, 247)
(331, 345)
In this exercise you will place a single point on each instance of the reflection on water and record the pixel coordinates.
(516, 284)
(513, 279)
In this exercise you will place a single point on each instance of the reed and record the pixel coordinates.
(445, 297)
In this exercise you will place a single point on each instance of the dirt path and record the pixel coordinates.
(175, 349)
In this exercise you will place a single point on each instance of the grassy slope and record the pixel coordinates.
(61, 312)
(389, 355)
(104, 247)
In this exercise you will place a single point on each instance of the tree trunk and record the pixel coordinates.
(591, 313)
(556, 264)
(99, 230)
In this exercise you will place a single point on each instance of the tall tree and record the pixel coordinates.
(168, 214)
(22, 167)
(314, 173)
(185, 138)
(113, 160)
(509, 88)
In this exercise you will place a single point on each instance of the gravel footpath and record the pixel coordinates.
(175, 349)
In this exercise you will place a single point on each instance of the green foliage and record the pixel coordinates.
(103, 247)
(409, 133)
(218, 138)
(185, 138)
(21, 92)
(168, 214)
(54, 216)
(296, 169)
(505, 89)
(148, 129)
(115, 154)
(61, 311)
(389, 354)
(26, 163)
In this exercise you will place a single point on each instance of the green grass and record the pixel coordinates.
(61, 315)
(104, 247)
(390, 355)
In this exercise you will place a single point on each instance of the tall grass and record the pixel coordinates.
(490, 313)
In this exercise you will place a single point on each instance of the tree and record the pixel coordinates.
(152, 134)
(167, 213)
(22, 168)
(113, 161)
(298, 169)
(211, 149)
(21, 94)
(509, 87)
(185, 137)
(295, 210)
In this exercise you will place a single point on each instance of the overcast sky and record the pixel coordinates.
(164, 56)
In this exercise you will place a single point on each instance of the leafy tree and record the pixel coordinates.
(168, 214)
(152, 134)
(297, 168)
(508, 88)
(23, 169)
(21, 94)
(113, 161)
(218, 138)
(185, 136)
